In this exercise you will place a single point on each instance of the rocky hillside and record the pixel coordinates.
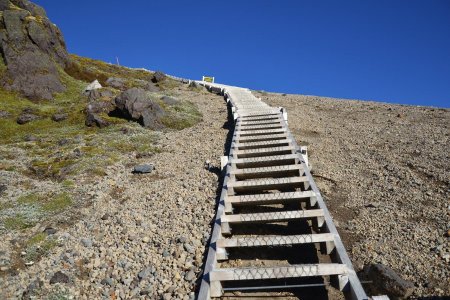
(76, 133)
(383, 170)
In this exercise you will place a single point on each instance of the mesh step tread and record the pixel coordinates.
(293, 271)
(273, 216)
(275, 240)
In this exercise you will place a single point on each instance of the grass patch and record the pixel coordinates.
(17, 222)
(88, 70)
(56, 168)
(71, 101)
(38, 238)
(5, 205)
(182, 115)
(30, 199)
(58, 203)
(68, 183)
(38, 246)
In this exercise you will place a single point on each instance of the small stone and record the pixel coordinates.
(59, 117)
(141, 169)
(167, 296)
(32, 287)
(105, 216)
(59, 277)
(25, 118)
(107, 281)
(190, 276)
(4, 114)
(29, 263)
(145, 239)
(189, 248)
(93, 86)
(145, 273)
(63, 142)
(49, 230)
(30, 138)
(165, 253)
(86, 242)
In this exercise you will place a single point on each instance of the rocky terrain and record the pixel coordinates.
(125, 234)
(385, 173)
(109, 175)
(104, 191)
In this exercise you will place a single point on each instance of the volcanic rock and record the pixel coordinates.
(32, 48)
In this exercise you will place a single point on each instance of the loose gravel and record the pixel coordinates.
(385, 173)
(145, 235)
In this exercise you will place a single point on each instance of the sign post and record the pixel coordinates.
(208, 79)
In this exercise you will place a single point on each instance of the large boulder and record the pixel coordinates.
(158, 77)
(33, 49)
(137, 104)
(117, 83)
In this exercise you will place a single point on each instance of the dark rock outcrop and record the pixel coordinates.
(59, 277)
(386, 282)
(59, 117)
(4, 114)
(100, 101)
(26, 118)
(158, 77)
(117, 83)
(96, 94)
(136, 104)
(93, 119)
(32, 48)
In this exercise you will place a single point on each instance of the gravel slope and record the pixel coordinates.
(383, 169)
(385, 173)
(145, 235)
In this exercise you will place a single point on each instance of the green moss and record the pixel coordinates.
(30, 198)
(182, 115)
(112, 120)
(4, 205)
(68, 183)
(98, 171)
(36, 239)
(88, 70)
(17, 222)
(55, 168)
(38, 246)
(57, 203)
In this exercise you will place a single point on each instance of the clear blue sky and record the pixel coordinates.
(384, 50)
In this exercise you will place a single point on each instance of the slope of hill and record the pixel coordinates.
(385, 173)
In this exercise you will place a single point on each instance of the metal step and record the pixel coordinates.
(267, 184)
(260, 117)
(293, 271)
(240, 134)
(270, 198)
(265, 161)
(265, 151)
(259, 122)
(273, 217)
(260, 127)
(275, 240)
(275, 171)
(264, 144)
(260, 138)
